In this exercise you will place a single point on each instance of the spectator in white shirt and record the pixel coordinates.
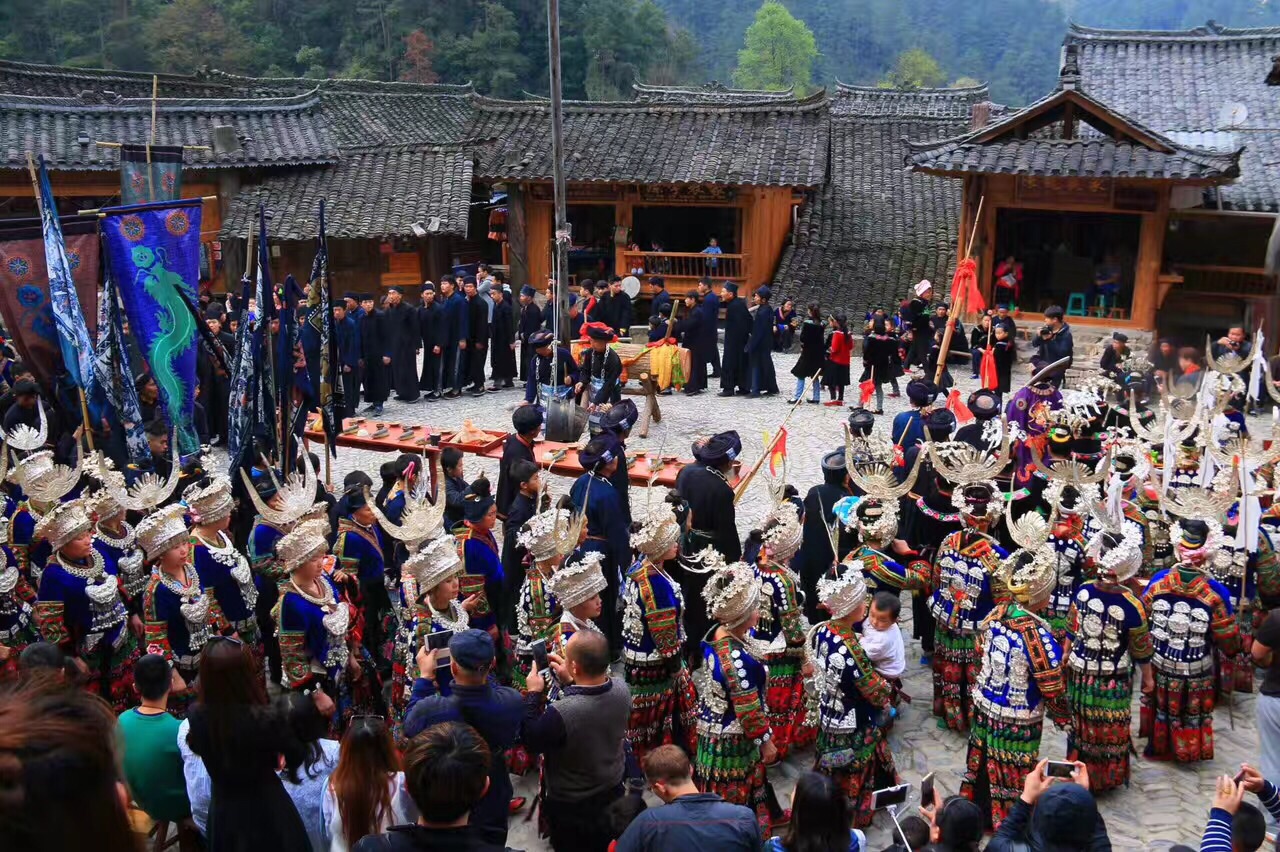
(881, 638)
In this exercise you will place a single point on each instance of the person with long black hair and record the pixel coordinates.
(820, 817)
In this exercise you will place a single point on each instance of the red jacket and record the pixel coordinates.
(841, 348)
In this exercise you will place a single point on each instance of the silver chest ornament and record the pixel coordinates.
(1005, 671)
(336, 624)
(195, 611)
(106, 609)
(632, 618)
(133, 577)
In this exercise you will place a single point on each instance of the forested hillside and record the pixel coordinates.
(500, 45)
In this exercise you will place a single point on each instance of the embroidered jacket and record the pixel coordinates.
(1021, 675)
(1190, 613)
(1067, 540)
(262, 551)
(78, 615)
(483, 577)
(537, 612)
(313, 642)
(782, 623)
(177, 627)
(127, 558)
(17, 612)
(360, 550)
(1107, 627)
(851, 692)
(885, 574)
(961, 580)
(731, 686)
(652, 616)
(422, 622)
(225, 570)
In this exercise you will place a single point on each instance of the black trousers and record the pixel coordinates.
(475, 365)
(451, 366)
(713, 355)
(429, 381)
(582, 826)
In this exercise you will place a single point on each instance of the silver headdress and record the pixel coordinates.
(732, 594)
(62, 524)
(577, 581)
(25, 439)
(43, 481)
(876, 476)
(1198, 504)
(1072, 471)
(964, 500)
(842, 593)
(1228, 363)
(658, 533)
(875, 520)
(1028, 575)
(211, 502)
(1116, 548)
(297, 495)
(149, 490)
(434, 563)
(962, 463)
(1177, 429)
(783, 533)
(302, 544)
(420, 521)
(162, 530)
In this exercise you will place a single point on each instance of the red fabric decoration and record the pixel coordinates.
(987, 370)
(958, 408)
(965, 292)
(868, 389)
(587, 326)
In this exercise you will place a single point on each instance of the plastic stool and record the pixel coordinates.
(1106, 302)
(1075, 305)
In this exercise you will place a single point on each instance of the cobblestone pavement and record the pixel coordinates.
(1165, 803)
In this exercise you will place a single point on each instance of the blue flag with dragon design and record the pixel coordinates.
(153, 251)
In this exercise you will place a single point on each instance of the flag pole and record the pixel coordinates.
(745, 481)
(84, 404)
(944, 349)
(155, 91)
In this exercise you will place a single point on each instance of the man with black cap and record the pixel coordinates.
(688, 329)
(737, 332)
(603, 311)
(1052, 344)
(475, 699)
(660, 297)
(759, 348)
(814, 557)
(710, 325)
(348, 335)
(403, 340)
(352, 301)
(428, 325)
(985, 405)
(518, 446)
(710, 521)
(608, 527)
(938, 424)
(619, 420)
(620, 309)
(601, 369)
(25, 410)
(360, 549)
(376, 366)
(541, 343)
(1113, 355)
(455, 321)
(477, 336)
(908, 426)
(530, 324)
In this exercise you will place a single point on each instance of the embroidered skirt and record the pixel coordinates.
(1001, 754)
(662, 706)
(729, 765)
(1100, 718)
(784, 698)
(955, 669)
(1177, 718)
(861, 763)
(112, 676)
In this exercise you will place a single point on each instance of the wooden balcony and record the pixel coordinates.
(682, 270)
(1227, 280)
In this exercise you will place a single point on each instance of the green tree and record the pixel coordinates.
(779, 53)
(914, 69)
(964, 83)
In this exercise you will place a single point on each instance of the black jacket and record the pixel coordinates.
(416, 838)
(812, 350)
(477, 322)
(737, 326)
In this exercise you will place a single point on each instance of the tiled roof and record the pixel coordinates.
(274, 131)
(768, 142)
(877, 227)
(711, 92)
(55, 81)
(372, 193)
(1097, 157)
(1186, 81)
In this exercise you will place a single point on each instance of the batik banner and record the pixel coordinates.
(153, 251)
(142, 182)
(24, 289)
(114, 374)
(73, 332)
(320, 319)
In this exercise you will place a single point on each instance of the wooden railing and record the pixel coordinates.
(670, 264)
(1234, 280)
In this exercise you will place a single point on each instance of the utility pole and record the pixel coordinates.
(560, 249)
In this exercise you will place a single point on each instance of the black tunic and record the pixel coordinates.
(404, 338)
(502, 336)
(620, 314)
(530, 323)
(712, 520)
(427, 327)
(601, 365)
(373, 346)
(513, 450)
(737, 331)
(477, 339)
(812, 352)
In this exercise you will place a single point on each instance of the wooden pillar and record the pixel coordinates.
(1150, 257)
(623, 216)
(517, 237)
(538, 249)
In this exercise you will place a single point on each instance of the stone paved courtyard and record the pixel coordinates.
(1165, 803)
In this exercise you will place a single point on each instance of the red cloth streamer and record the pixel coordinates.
(987, 372)
(868, 389)
(779, 453)
(964, 287)
(587, 326)
(958, 408)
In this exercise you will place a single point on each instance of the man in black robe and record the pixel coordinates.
(526, 420)
(710, 325)
(477, 336)
(530, 322)
(815, 556)
(603, 311)
(921, 314)
(762, 377)
(375, 356)
(429, 380)
(710, 521)
(688, 329)
(502, 342)
(620, 311)
(737, 331)
(619, 420)
(451, 338)
(661, 297)
(348, 334)
(404, 338)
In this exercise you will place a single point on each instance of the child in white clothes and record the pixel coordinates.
(881, 638)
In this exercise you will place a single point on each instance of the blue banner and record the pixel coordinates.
(73, 334)
(266, 418)
(114, 373)
(153, 252)
(240, 410)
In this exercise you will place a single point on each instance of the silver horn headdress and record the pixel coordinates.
(297, 495)
(876, 476)
(962, 463)
(148, 491)
(23, 437)
(422, 520)
(1230, 363)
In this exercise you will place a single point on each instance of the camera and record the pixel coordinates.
(1046, 331)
